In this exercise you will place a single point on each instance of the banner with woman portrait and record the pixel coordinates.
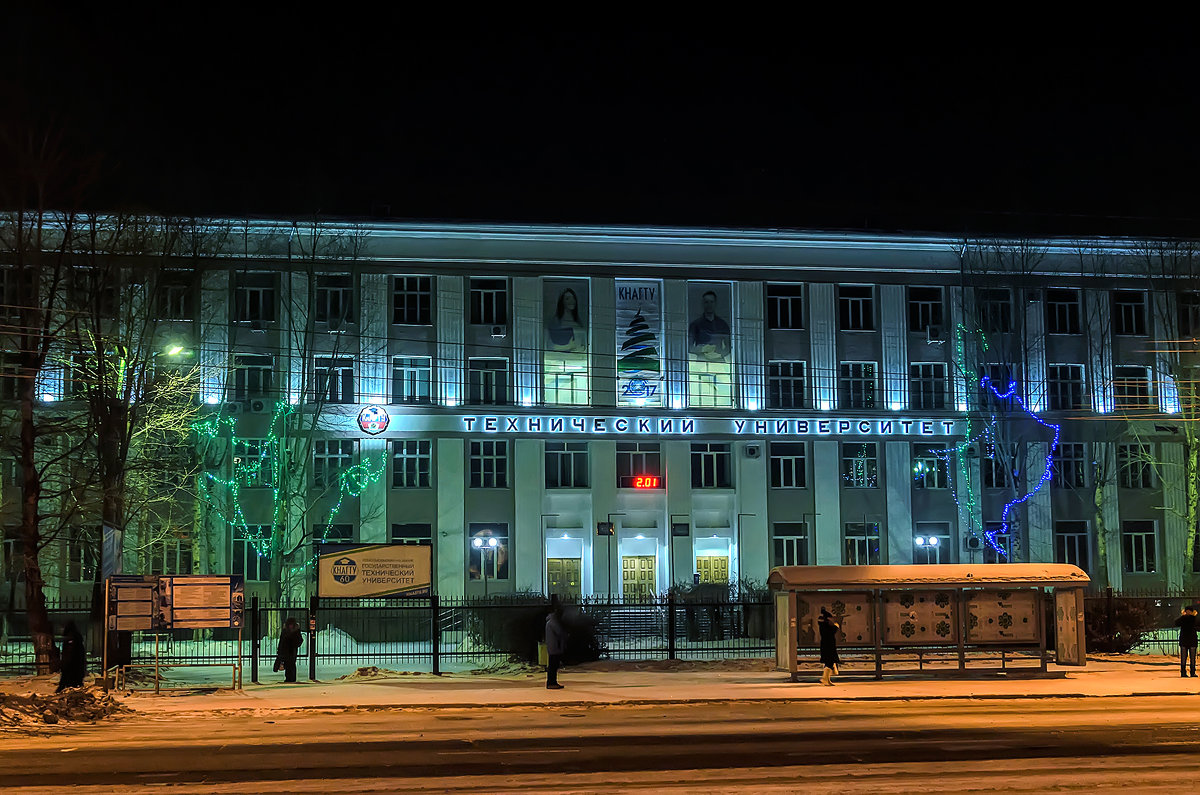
(565, 304)
(639, 342)
(710, 344)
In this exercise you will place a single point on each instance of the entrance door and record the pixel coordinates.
(713, 568)
(563, 575)
(637, 577)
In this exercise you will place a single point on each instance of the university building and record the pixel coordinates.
(595, 410)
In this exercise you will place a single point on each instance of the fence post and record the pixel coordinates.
(1108, 615)
(435, 633)
(312, 637)
(670, 626)
(255, 639)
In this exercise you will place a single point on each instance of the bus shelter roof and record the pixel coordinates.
(949, 575)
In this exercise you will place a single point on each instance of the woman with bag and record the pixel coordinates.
(829, 657)
(289, 646)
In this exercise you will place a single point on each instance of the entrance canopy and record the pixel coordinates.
(951, 575)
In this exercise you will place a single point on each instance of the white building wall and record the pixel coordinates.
(898, 476)
(449, 320)
(823, 312)
(1100, 364)
(1039, 527)
(450, 532)
(374, 370)
(748, 345)
(214, 336)
(1172, 531)
(1035, 347)
(894, 339)
(675, 326)
(527, 548)
(827, 486)
(526, 331)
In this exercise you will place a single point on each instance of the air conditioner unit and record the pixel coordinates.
(231, 407)
(259, 406)
(753, 451)
(258, 326)
(974, 542)
(499, 332)
(935, 335)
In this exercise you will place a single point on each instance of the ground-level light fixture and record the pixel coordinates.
(922, 541)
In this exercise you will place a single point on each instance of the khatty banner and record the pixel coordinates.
(373, 570)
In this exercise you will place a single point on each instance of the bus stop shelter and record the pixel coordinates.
(953, 609)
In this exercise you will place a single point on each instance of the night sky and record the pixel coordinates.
(371, 119)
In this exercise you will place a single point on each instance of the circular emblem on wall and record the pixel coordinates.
(345, 570)
(373, 419)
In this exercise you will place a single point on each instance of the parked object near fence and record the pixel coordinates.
(954, 609)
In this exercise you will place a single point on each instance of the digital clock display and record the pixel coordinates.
(647, 482)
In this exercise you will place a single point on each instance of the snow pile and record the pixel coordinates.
(77, 705)
(375, 672)
(507, 668)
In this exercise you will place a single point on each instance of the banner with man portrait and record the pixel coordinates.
(710, 344)
(639, 342)
(565, 305)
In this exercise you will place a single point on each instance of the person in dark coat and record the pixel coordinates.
(1187, 639)
(829, 657)
(74, 658)
(556, 645)
(289, 646)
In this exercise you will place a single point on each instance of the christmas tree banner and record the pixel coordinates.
(639, 342)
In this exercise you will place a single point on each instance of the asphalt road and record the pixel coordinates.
(934, 746)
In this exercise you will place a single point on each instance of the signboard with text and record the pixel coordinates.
(201, 601)
(364, 570)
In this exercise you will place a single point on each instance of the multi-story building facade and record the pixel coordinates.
(618, 409)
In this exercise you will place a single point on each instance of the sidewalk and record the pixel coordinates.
(585, 686)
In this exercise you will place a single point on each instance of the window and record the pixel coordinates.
(17, 290)
(924, 308)
(785, 306)
(79, 375)
(334, 380)
(487, 560)
(1067, 466)
(14, 558)
(254, 463)
(255, 298)
(249, 553)
(252, 376)
(412, 378)
(789, 545)
(788, 468)
(856, 311)
(1138, 547)
(998, 466)
(997, 543)
(860, 465)
(931, 463)
(1129, 313)
(489, 464)
(334, 302)
(10, 472)
(931, 542)
(862, 544)
(331, 457)
(412, 461)
(786, 384)
(995, 309)
(169, 555)
(1134, 470)
(487, 382)
(711, 465)
(82, 545)
(412, 301)
(420, 535)
(1065, 382)
(489, 302)
(566, 465)
(856, 388)
(176, 300)
(927, 385)
(1189, 314)
(333, 533)
(10, 376)
(1071, 543)
(637, 459)
(1062, 312)
(1131, 387)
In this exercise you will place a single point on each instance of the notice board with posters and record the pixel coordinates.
(202, 601)
(133, 603)
(364, 570)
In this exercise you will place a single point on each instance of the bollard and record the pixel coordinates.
(435, 634)
(255, 638)
(670, 626)
(312, 638)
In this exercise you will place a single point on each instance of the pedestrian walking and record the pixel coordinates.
(73, 659)
(556, 644)
(1187, 640)
(289, 646)
(829, 657)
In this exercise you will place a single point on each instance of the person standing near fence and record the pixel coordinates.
(74, 658)
(1187, 640)
(289, 646)
(556, 644)
(829, 657)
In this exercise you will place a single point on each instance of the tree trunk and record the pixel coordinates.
(40, 629)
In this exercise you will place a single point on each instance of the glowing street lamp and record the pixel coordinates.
(483, 545)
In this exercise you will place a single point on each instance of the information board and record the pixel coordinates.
(133, 603)
(348, 570)
(201, 601)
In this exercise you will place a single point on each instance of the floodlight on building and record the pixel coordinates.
(919, 541)
(212, 400)
(47, 397)
(477, 542)
(639, 536)
(174, 350)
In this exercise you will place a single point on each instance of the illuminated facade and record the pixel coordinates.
(596, 410)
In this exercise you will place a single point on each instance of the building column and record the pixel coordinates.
(678, 463)
(827, 503)
(750, 524)
(1099, 322)
(602, 376)
(450, 532)
(1111, 513)
(527, 548)
(449, 319)
(1172, 538)
(823, 338)
(675, 330)
(894, 341)
(898, 479)
(1035, 345)
(1039, 525)
(294, 334)
(604, 501)
(528, 347)
(373, 339)
(372, 501)
(748, 345)
(215, 304)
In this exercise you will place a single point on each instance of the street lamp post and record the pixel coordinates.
(609, 555)
(545, 516)
(483, 545)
